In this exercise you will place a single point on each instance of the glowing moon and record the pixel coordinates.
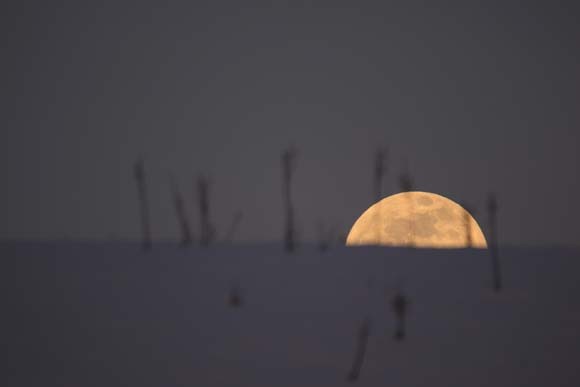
(419, 219)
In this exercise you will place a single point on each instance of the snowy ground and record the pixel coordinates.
(90, 314)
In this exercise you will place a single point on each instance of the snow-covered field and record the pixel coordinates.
(108, 314)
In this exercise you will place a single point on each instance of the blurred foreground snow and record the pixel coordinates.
(107, 314)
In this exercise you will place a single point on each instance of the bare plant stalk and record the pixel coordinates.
(406, 184)
(207, 230)
(181, 214)
(468, 237)
(493, 248)
(235, 296)
(400, 309)
(325, 237)
(467, 225)
(139, 172)
(233, 227)
(288, 158)
(379, 172)
(361, 346)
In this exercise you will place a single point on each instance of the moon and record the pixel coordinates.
(417, 219)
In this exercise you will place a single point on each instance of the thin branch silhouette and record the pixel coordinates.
(400, 306)
(235, 298)
(406, 185)
(380, 170)
(492, 208)
(139, 173)
(288, 165)
(237, 219)
(467, 214)
(207, 229)
(360, 350)
(181, 213)
(326, 236)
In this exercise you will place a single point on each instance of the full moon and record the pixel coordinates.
(417, 219)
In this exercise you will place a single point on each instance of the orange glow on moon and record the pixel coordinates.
(418, 219)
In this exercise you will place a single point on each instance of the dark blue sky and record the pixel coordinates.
(477, 97)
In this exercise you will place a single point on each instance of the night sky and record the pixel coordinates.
(473, 97)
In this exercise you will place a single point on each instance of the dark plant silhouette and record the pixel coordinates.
(326, 236)
(238, 216)
(360, 350)
(467, 224)
(405, 182)
(493, 245)
(235, 298)
(380, 171)
(400, 306)
(181, 214)
(207, 229)
(406, 185)
(288, 160)
(139, 172)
